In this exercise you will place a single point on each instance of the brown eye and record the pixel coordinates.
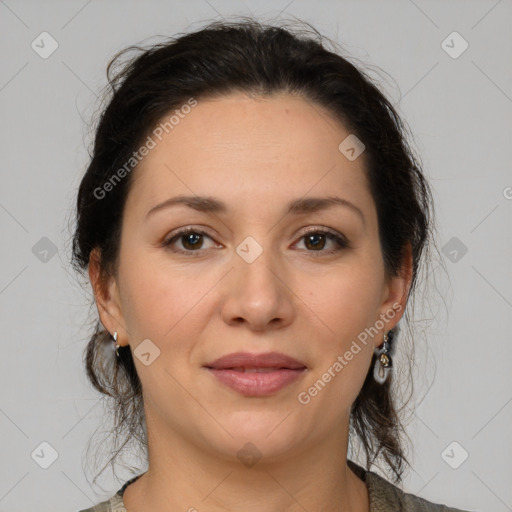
(315, 241)
(191, 240)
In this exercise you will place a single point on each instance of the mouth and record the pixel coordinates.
(256, 375)
(247, 361)
(256, 370)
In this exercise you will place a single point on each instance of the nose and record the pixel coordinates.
(259, 294)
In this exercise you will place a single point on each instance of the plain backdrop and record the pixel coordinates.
(457, 102)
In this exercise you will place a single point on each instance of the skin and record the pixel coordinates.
(255, 155)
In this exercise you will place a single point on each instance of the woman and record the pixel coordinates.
(253, 223)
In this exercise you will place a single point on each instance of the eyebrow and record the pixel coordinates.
(295, 207)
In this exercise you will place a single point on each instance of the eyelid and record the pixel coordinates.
(186, 229)
(323, 229)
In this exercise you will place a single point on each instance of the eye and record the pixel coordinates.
(315, 241)
(192, 240)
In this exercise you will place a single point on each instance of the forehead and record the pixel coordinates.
(250, 151)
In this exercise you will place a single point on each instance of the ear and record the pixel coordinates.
(106, 295)
(394, 298)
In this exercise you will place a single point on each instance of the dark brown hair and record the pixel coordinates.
(259, 59)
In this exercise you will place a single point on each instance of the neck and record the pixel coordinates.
(185, 476)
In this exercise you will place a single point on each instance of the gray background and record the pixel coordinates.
(460, 111)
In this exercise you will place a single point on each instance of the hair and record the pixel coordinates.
(258, 59)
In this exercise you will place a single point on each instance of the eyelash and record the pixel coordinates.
(340, 241)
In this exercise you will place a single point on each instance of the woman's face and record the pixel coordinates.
(250, 278)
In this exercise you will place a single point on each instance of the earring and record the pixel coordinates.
(383, 363)
(117, 346)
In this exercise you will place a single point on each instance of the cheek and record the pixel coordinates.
(155, 299)
(349, 301)
(348, 307)
(165, 306)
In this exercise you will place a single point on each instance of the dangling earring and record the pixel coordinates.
(383, 363)
(117, 346)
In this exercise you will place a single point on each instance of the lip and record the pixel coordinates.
(269, 373)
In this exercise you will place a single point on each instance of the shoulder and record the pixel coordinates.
(113, 504)
(385, 496)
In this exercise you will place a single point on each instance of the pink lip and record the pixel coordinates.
(230, 371)
(247, 360)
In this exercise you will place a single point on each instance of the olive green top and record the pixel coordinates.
(384, 497)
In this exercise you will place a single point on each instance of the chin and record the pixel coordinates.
(260, 436)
